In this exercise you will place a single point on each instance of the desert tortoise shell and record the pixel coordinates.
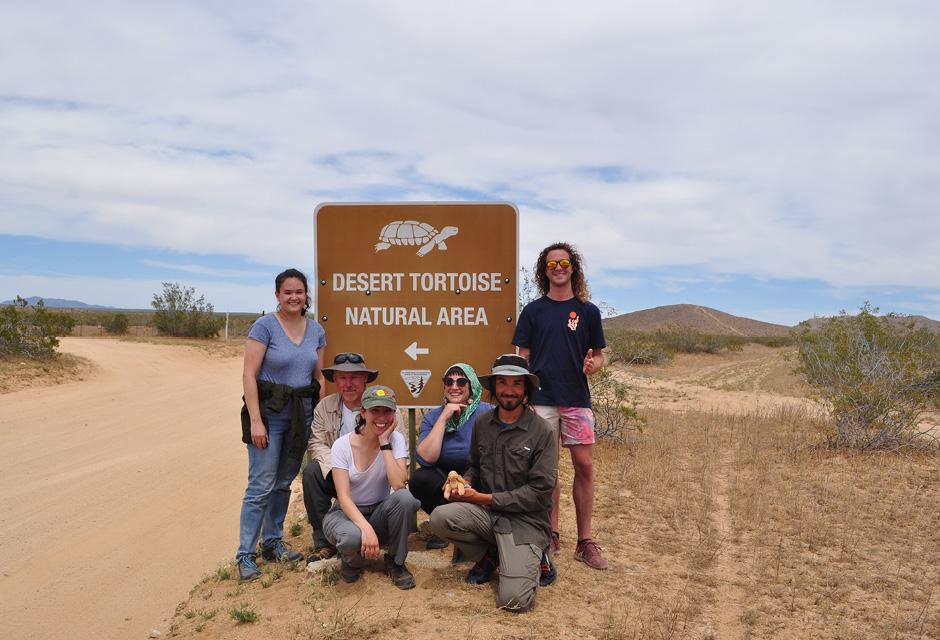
(406, 232)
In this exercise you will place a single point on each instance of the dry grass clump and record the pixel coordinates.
(22, 373)
(833, 545)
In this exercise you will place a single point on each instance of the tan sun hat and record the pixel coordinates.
(352, 362)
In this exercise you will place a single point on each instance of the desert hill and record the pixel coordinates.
(697, 318)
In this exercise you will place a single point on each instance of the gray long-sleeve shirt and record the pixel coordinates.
(518, 464)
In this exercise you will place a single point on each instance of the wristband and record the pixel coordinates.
(385, 447)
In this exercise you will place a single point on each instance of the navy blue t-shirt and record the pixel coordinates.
(558, 335)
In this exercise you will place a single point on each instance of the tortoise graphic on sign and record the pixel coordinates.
(412, 232)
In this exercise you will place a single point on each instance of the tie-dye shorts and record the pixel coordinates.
(575, 424)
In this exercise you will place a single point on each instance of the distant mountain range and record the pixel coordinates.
(59, 303)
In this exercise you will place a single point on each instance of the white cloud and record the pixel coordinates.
(787, 141)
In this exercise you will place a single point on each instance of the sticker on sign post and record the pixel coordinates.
(416, 380)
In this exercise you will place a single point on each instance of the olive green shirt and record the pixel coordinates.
(517, 464)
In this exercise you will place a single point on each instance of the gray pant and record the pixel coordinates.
(469, 527)
(392, 519)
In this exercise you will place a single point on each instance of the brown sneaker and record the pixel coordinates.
(321, 553)
(590, 554)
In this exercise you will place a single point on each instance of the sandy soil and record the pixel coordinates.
(119, 492)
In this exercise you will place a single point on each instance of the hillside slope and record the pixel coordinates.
(697, 318)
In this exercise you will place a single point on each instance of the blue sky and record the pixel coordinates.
(773, 161)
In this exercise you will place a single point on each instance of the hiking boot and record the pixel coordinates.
(482, 572)
(590, 554)
(279, 552)
(547, 573)
(555, 545)
(247, 569)
(435, 542)
(349, 574)
(399, 574)
(321, 553)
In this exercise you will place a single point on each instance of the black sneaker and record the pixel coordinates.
(248, 569)
(482, 572)
(349, 574)
(399, 574)
(280, 552)
(547, 572)
(435, 542)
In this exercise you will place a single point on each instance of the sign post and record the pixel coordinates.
(417, 287)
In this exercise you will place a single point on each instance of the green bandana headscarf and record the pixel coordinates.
(476, 392)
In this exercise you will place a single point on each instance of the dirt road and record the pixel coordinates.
(117, 493)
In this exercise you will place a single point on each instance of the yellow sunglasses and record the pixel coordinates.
(563, 263)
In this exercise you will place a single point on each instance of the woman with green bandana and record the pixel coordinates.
(444, 439)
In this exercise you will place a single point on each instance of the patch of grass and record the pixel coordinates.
(224, 572)
(329, 578)
(23, 373)
(243, 614)
(296, 529)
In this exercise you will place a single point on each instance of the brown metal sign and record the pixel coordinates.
(417, 287)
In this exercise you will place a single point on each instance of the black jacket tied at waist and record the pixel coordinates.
(274, 397)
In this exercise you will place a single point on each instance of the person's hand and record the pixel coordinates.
(370, 543)
(259, 435)
(453, 408)
(589, 367)
(469, 494)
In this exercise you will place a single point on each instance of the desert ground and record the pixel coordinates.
(723, 518)
(118, 492)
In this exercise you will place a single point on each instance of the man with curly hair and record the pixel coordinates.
(561, 335)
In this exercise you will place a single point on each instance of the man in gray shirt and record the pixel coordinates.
(503, 516)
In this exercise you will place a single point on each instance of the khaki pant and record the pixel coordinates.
(470, 528)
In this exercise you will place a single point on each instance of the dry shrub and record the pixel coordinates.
(877, 375)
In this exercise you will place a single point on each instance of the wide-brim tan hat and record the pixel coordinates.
(351, 362)
(510, 364)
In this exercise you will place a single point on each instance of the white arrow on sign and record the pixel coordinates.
(413, 350)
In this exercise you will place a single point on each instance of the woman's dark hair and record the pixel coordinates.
(293, 273)
(455, 371)
(360, 423)
(578, 284)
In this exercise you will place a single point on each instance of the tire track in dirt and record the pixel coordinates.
(729, 597)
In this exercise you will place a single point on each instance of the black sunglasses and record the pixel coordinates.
(460, 382)
(350, 357)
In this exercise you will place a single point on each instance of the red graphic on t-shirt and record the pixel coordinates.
(573, 321)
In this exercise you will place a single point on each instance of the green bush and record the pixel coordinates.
(117, 324)
(635, 347)
(31, 332)
(178, 312)
(876, 375)
(614, 412)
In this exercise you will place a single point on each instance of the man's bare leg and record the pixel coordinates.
(582, 490)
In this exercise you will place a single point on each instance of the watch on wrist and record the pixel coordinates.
(385, 447)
